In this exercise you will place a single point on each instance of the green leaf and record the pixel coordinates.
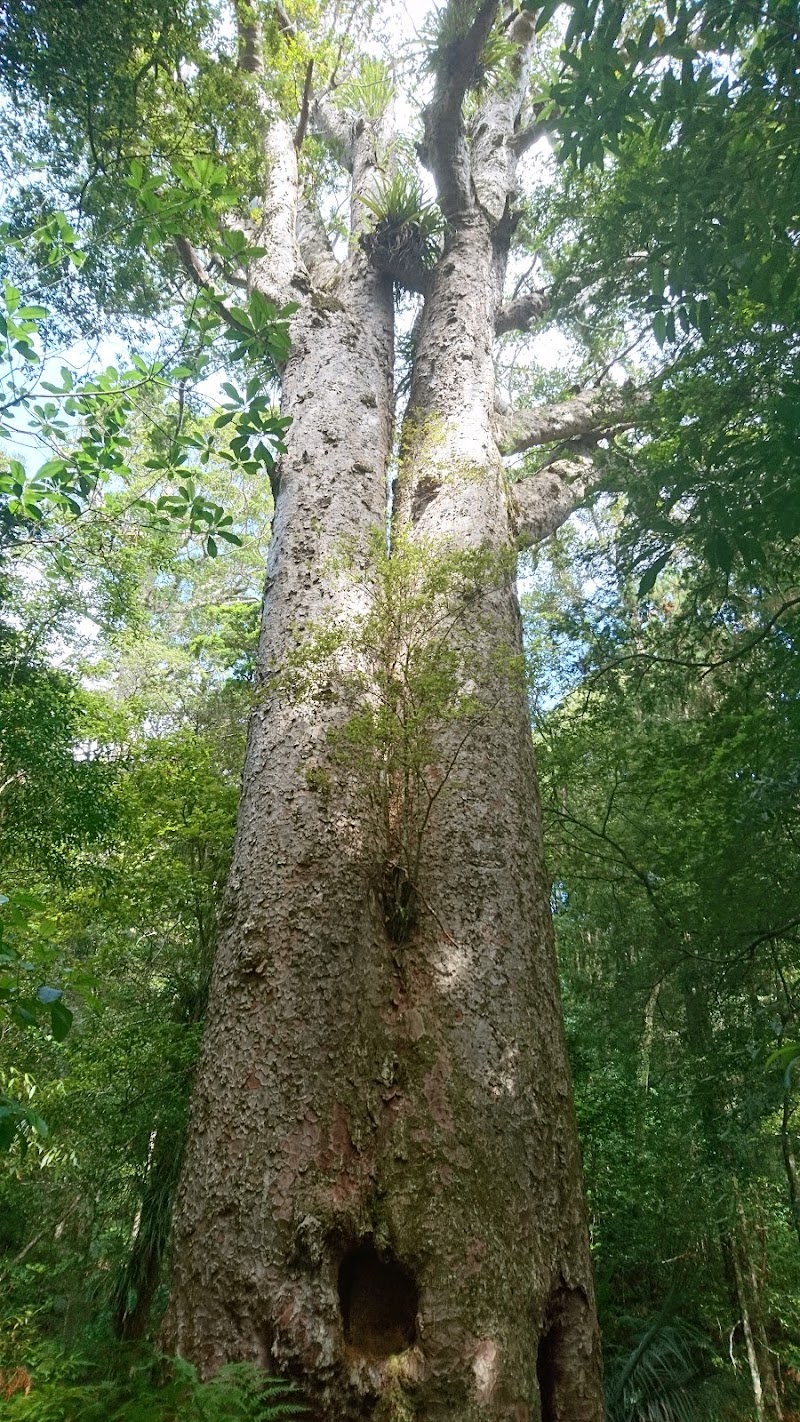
(51, 469)
(658, 279)
(22, 1015)
(60, 1020)
(49, 995)
(648, 580)
(545, 14)
(703, 319)
(783, 1056)
(718, 551)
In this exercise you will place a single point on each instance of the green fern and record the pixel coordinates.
(655, 1380)
(399, 200)
(157, 1391)
(445, 27)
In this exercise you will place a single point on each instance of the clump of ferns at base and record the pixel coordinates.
(68, 1388)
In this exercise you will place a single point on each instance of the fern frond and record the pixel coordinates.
(657, 1379)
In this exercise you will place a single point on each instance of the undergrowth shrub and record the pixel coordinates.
(68, 1388)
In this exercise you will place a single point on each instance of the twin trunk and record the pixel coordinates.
(382, 1190)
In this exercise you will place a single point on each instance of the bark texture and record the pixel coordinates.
(292, 1024)
(382, 1191)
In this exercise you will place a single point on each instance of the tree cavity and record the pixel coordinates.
(379, 1299)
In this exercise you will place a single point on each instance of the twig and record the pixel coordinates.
(200, 276)
(302, 122)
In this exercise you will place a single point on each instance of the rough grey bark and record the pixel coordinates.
(480, 973)
(298, 962)
(382, 1190)
(541, 503)
(584, 414)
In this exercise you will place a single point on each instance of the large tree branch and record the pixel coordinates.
(526, 137)
(521, 312)
(542, 124)
(542, 503)
(445, 150)
(363, 149)
(287, 29)
(274, 274)
(315, 248)
(336, 127)
(249, 34)
(588, 413)
(302, 122)
(493, 150)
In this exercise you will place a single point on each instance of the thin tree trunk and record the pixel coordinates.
(747, 1330)
(735, 1246)
(769, 1382)
(648, 1033)
(790, 1161)
(645, 1058)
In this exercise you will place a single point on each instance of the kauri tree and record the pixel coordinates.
(381, 1193)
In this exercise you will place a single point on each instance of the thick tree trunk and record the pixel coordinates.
(480, 973)
(382, 1192)
(295, 1047)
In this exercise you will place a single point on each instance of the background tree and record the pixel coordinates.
(666, 776)
(113, 908)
